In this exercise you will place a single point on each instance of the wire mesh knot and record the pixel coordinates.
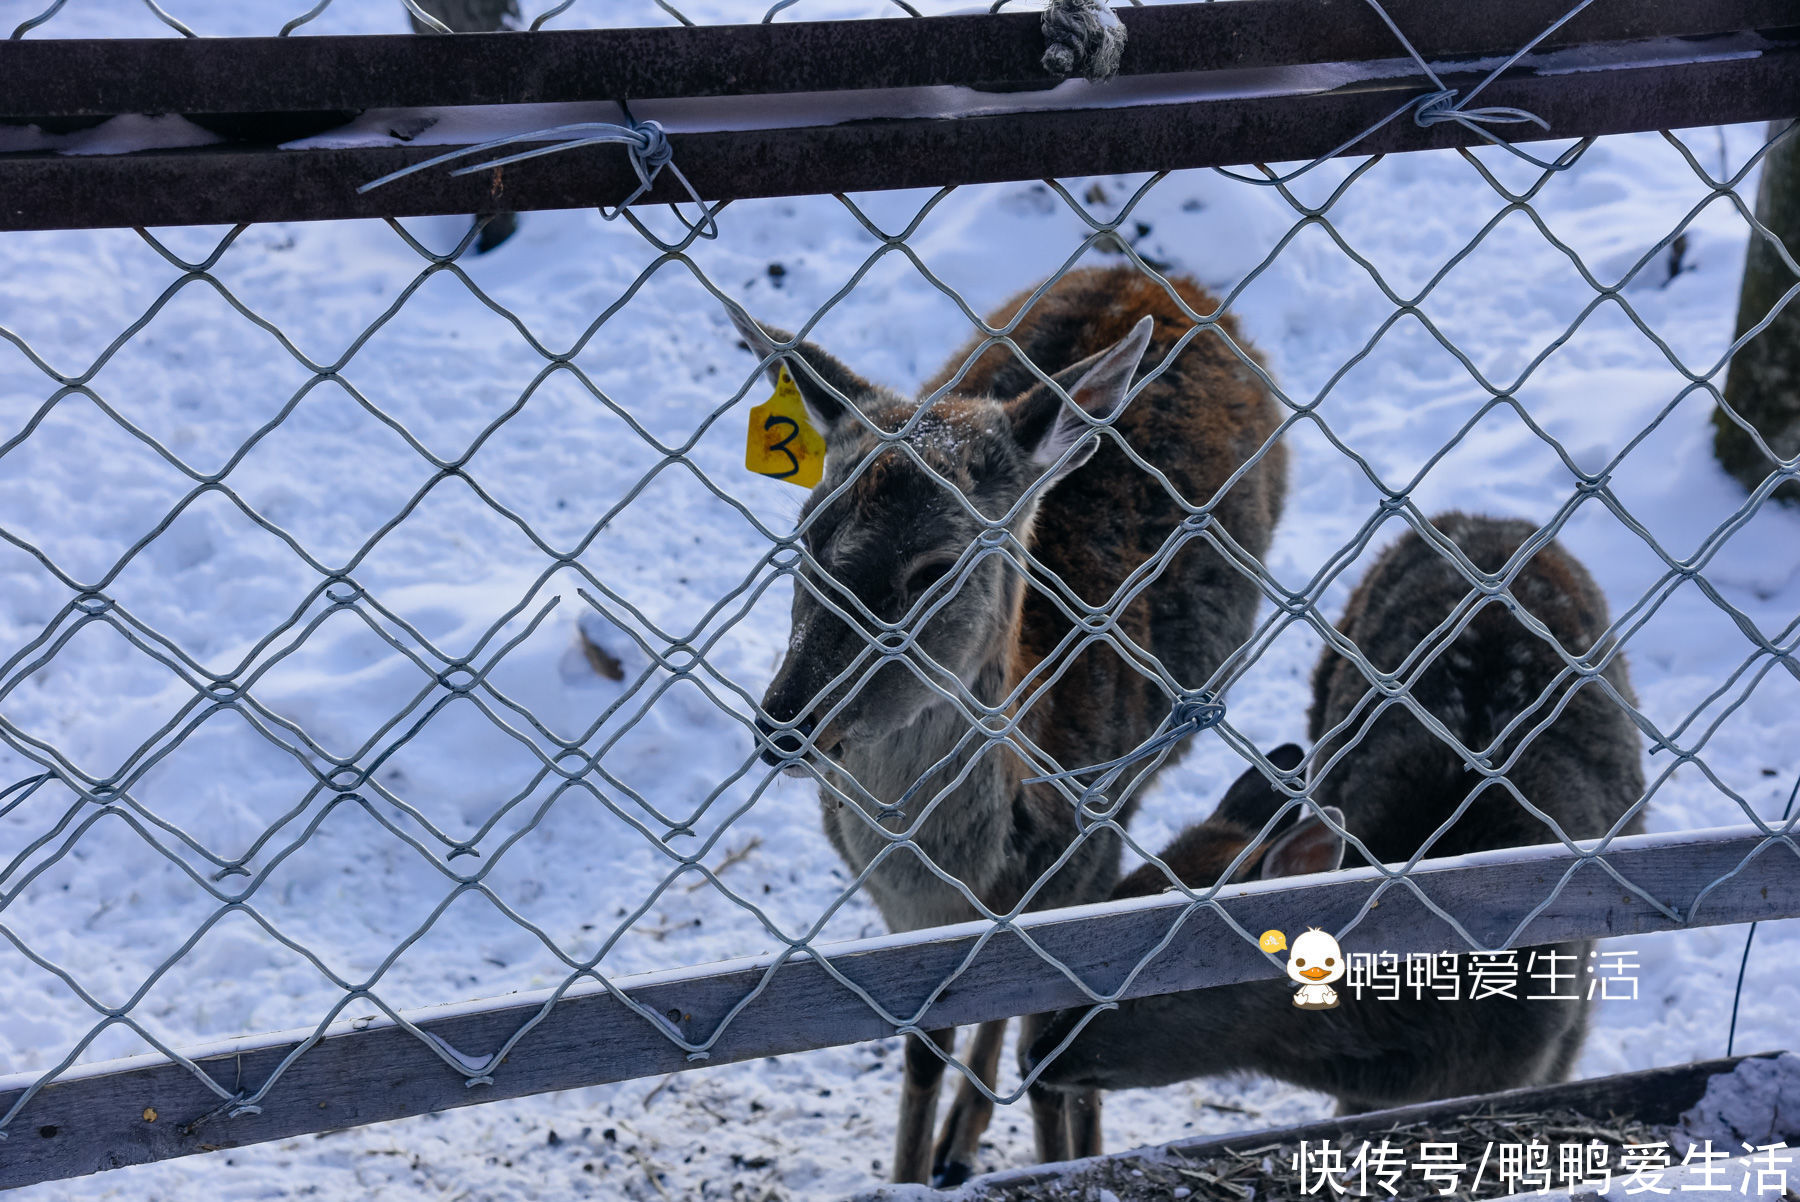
(645, 142)
(1435, 108)
(1439, 106)
(1197, 710)
(652, 146)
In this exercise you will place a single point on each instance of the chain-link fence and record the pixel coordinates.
(390, 625)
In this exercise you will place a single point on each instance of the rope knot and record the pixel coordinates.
(1082, 37)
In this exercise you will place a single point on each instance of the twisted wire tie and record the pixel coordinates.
(645, 142)
(1435, 108)
(233, 1107)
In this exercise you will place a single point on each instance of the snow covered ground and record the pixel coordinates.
(453, 574)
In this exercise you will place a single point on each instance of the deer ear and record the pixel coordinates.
(828, 413)
(1252, 800)
(1310, 847)
(1046, 428)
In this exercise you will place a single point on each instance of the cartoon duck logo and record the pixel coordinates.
(1315, 961)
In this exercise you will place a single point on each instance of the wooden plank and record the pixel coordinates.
(225, 185)
(92, 1118)
(1656, 1096)
(70, 77)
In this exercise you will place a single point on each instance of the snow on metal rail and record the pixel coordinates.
(367, 1069)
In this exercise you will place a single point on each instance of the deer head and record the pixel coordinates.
(907, 549)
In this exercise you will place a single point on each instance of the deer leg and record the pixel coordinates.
(1049, 1107)
(1049, 1123)
(922, 1074)
(954, 1160)
(1082, 1112)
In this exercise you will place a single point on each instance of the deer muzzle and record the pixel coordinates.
(786, 749)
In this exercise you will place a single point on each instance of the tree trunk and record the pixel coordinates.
(1763, 385)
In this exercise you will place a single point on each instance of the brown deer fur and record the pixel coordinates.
(994, 436)
(1393, 788)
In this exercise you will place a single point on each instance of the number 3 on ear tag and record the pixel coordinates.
(781, 440)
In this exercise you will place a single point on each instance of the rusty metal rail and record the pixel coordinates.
(87, 77)
(836, 147)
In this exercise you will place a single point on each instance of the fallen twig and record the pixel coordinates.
(1228, 1108)
(649, 1170)
(668, 928)
(731, 857)
(656, 1089)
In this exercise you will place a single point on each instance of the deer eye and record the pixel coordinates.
(924, 576)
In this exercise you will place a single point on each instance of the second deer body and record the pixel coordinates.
(896, 738)
(1493, 687)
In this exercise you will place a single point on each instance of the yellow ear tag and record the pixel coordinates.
(781, 441)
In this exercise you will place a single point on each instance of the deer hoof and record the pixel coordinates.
(946, 1176)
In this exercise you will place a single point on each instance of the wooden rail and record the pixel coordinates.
(93, 1117)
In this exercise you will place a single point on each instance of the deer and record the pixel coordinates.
(1396, 783)
(891, 744)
